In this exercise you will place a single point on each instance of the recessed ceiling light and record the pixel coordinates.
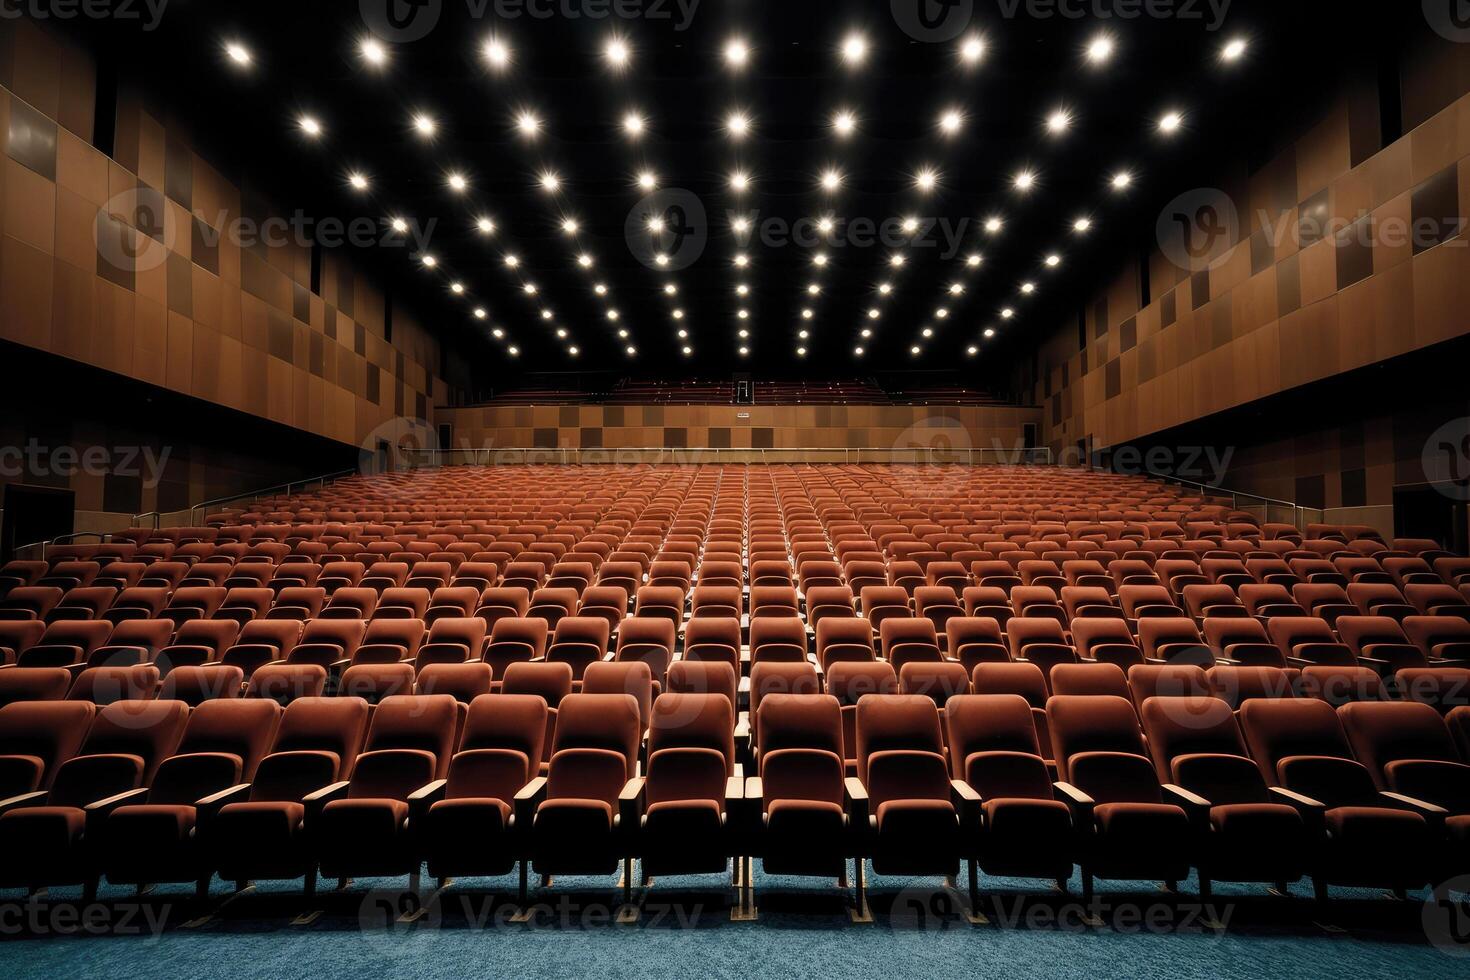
(1233, 49)
(927, 332)
(993, 226)
(854, 49)
(909, 225)
(358, 181)
(630, 350)
(1058, 121)
(513, 350)
(858, 351)
(825, 225)
(457, 182)
(941, 313)
(424, 125)
(1121, 180)
(741, 260)
(572, 350)
(688, 351)
(584, 260)
(548, 315)
(617, 52)
(622, 334)
(677, 314)
(457, 288)
(744, 351)
(803, 334)
(481, 313)
(813, 289)
(915, 350)
(831, 179)
(1082, 224)
(895, 260)
(801, 352)
(926, 179)
(743, 334)
(398, 225)
(807, 314)
(972, 350)
(990, 331)
(561, 333)
(874, 313)
(865, 333)
(737, 53)
(647, 180)
(511, 261)
(496, 52)
(844, 122)
(497, 333)
(742, 290)
(569, 226)
(373, 53)
(670, 289)
(972, 49)
(884, 288)
(956, 288)
(309, 125)
(550, 182)
(428, 260)
(238, 53)
(741, 224)
(1007, 313)
(661, 259)
(1169, 122)
(1053, 260)
(743, 314)
(528, 123)
(739, 181)
(612, 314)
(529, 288)
(683, 334)
(951, 121)
(1028, 287)
(1100, 49)
(600, 289)
(656, 224)
(737, 124)
(820, 259)
(633, 124)
(974, 259)
(486, 226)
(1024, 180)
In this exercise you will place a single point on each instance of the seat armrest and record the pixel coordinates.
(755, 789)
(214, 802)
(1313, 812)
(527, 800)
(37, 798)
(424, 797)
(966, 803)
(734, 790)
(318, 799)
(1077, 801)
(856, 795)
(630, 803)
(1432, 814)
(1196, 806)
(98, 811)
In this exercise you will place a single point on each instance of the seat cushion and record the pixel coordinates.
(684, 837)
(468, 836)
(917, 837)
(42, 846)
(262, 839)
(150, 842)
(1256, 842)
(363, 836)
(1025, 838)
(1379, 847)
(1139, 841)
(574, 836)
(804, 837)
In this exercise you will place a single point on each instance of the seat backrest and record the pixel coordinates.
(427, 722)
(507, 721)
(242, 728)
(1188, 726)
(600, 721)
(1091, 723)
(1385, 732)
(149, 730)
(1277, 728)
(317, 724)
(1095, 678)
(704, 721)
(48, 732)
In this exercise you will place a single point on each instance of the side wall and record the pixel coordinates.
(124, 263)
(1347, 253)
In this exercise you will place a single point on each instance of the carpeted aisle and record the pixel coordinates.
(685, 929)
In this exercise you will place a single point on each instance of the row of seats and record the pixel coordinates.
(1368, 794)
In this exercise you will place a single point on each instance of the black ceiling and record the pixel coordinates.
(306, 59)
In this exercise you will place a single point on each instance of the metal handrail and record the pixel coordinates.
(103, 536)
(324, 480)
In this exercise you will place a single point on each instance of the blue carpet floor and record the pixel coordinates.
(685, 929)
